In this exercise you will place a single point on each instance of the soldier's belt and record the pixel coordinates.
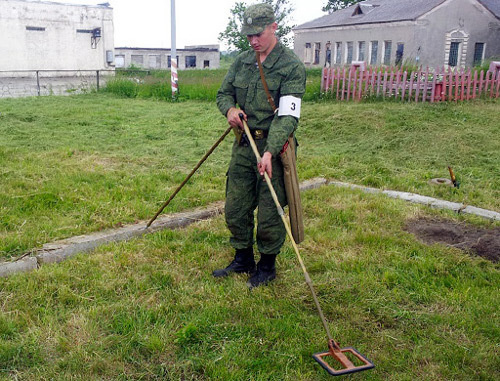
(259, 134)
(256, 134)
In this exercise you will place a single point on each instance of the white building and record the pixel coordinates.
(191, 57)
(38, 35)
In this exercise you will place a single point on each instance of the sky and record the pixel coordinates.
(146, 23)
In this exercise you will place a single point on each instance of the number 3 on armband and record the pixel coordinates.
(290, 105)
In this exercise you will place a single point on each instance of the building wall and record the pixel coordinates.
(205, 56)
(395, 32)
(464, 21)
(52, 36)
(427, 41)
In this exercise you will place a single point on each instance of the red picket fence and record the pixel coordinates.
(438, 85)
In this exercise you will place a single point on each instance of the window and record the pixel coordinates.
(206, 63)
(349, 51)
(169, 61)
(338, 52)
(137, 59)
(453, 57)
(308, 55)
(399, 53)
(120, 60)
(190, 61)
(154, 62)
(478, 53)
(387, 52)
(328, 55)
(361, 50)
(317, 51)
(374, 52)
(35, 28)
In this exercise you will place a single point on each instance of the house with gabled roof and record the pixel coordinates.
(435, 33)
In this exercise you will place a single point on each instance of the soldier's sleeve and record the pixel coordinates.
(226, 97)
(282, 126)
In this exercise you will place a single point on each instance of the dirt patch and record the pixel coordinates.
(482, 242)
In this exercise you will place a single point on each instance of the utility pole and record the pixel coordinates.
(173, 54)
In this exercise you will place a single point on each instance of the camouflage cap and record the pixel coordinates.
(256, 18)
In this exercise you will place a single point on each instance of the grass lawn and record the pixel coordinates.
(72, 165)
(149, 308)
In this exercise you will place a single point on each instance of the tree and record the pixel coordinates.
(232, 36)
(335, 5)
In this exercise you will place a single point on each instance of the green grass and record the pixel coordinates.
(149, 308)
(74, 165)
(193, 84)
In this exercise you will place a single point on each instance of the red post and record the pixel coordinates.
(468, 84)
(433, 90)
(481, 76)
(419, 83)
(343, 84)
(338, 83)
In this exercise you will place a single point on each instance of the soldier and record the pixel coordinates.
(245, 189)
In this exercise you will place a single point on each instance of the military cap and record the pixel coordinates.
(256, 18)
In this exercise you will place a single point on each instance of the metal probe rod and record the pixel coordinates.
(189, 176)
(287, 227)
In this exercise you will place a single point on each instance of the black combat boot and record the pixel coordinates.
(243, 262)
(266, 271)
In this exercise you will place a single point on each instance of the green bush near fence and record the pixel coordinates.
(193, 84)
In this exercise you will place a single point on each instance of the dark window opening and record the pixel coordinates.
(338, 57)
(399, 53)
(328, 58)
(317, 50)
(478, 53)
(169, 61)
(36, 28)
(349, 52)
(358, 11)
(206, 63)
(190, 61)
(387, 52)
(361, 50)
(374, 53)
(453, 59)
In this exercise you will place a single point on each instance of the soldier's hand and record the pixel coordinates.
(265, 164)
(233, 117)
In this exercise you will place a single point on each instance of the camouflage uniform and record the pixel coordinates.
(245, 189)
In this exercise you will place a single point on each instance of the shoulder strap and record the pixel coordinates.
(264, 83)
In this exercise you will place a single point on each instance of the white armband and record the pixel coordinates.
(290, 105)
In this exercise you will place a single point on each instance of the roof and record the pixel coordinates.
(493, 6)
(197, 49)
(103, 5)
(378, 11)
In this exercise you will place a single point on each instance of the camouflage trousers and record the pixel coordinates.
(246, 191)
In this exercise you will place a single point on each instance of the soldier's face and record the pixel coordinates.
(265, 41)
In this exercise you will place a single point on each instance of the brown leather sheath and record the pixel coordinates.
(291, 178)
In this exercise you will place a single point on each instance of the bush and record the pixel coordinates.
(124, 87)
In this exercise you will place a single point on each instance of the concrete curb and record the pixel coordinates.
(23, 265)
(424, 200)
(59, 251)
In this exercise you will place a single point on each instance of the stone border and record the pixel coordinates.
(424, 200)
(61, 250)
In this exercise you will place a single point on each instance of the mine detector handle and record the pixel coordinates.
(334, 350)
(209, 152)
(287, 226)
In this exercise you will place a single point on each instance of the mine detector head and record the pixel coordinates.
(337, 363)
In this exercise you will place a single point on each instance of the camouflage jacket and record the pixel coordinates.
(285, 75)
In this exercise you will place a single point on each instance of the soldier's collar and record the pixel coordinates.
(270, 59)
